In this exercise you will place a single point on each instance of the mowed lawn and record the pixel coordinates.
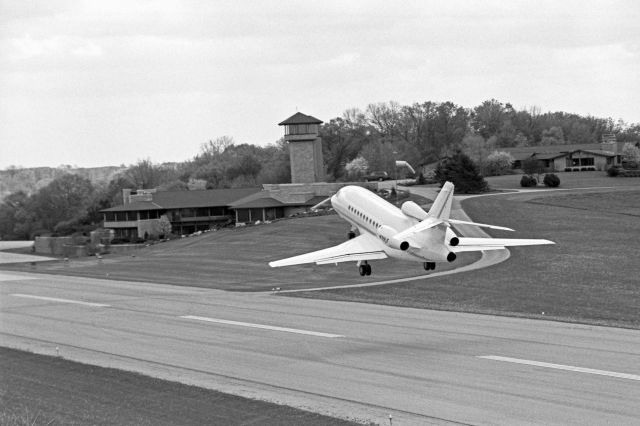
(237, 259)
(568, 180)
(592, 274)
(42, 390)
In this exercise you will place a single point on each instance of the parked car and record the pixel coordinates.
(378, 175)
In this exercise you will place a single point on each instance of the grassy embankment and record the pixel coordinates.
(589, 276)
(236, 259)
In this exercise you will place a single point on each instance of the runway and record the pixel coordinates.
(350, 360)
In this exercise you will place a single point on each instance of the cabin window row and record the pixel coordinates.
(364, 217)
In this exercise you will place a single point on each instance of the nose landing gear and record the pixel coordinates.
(429, 266)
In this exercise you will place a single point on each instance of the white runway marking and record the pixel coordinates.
(9, 277)
(55, 299)
(563, 367)
(262, 326)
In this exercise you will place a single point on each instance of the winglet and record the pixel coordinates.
(322, 204)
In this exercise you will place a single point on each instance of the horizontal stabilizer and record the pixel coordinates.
(482, 244)
(480, 225)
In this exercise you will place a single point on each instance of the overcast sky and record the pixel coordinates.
(93, 83)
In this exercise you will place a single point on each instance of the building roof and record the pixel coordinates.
(134, 207)
(548, 152)
(265, 199)
(549, 155)
(300, 118)
(163, 200)
(552, 149)
(602, 153)
(201, 198)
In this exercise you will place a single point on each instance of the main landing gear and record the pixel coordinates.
(364, 268)
(429, 266)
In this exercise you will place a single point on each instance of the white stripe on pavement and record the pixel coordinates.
(563, 367)
(262, 326)
(55, 299)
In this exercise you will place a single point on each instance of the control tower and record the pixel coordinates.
(305, 148)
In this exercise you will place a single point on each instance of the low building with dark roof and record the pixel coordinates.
(569, 157)
(188, 211)
(192, 211)
(267, 205)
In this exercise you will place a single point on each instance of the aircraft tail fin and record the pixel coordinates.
(441, 208)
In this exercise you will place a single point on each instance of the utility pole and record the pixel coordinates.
(395, 169)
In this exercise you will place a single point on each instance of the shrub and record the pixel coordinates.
(528, 181)
(498, 163)
(551, 180)
(613, 171)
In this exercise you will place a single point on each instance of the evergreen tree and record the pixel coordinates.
(463, 173)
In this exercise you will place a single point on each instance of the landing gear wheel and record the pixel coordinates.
(351, 235)
(363, 270)
(429, 266)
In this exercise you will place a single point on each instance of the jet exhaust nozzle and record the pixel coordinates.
(451, 257)
(454, 241)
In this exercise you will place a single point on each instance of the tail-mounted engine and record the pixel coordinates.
(388, 236)
(413, 210)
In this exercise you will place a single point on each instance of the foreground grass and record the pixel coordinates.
(42, 390)
(589, 276)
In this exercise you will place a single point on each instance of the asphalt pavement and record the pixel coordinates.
(350, 360)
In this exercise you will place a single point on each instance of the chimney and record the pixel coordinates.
(126, 196)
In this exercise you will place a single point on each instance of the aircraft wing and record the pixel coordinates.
(481, 244)
(363, 247)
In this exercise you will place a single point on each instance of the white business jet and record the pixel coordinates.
(408, 233)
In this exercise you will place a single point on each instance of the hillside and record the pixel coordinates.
(30, 180)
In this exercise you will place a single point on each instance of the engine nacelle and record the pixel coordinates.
(451, 237)
(413, 210)
(388, 236)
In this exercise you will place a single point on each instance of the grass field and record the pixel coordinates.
(236, 259)
(567, 180)
(42, 390)
(589, 276)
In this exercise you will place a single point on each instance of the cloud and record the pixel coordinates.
(27, 47)
(200, 68)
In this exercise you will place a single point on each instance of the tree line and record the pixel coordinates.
(357, 141)
(70, 203)
(424, 133)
